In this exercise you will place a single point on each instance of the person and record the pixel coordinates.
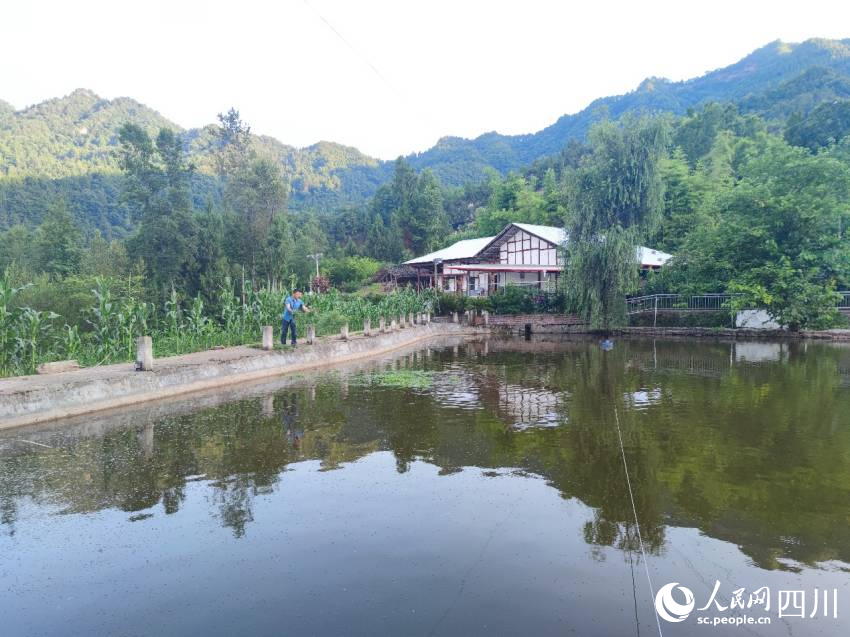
(291, 305)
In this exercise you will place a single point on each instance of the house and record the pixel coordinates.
(522, 254)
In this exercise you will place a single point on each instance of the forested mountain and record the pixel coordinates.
(774, 80)
(64, 147)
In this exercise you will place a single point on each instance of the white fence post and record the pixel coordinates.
(144, 353)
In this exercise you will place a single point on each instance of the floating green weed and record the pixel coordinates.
(404, 378)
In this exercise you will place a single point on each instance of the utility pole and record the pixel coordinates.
(316, 258)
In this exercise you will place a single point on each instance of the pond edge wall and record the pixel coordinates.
(29, 400)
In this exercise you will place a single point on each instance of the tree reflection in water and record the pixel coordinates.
(746, 442)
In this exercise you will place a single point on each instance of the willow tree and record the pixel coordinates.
(616, 197)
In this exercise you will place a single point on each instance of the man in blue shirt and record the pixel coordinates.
(291, 305)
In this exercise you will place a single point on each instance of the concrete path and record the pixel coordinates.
(26, 400)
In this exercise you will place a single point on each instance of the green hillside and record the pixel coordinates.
(773, 80)
(64, 147)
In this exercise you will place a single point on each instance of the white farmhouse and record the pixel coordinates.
(522, 254)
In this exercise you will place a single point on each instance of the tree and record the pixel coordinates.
(777, 237)
(412, 205)
(255, 191)
(685, 192)
(826, 124)
(156, 187)
(257, 194)
(617, 197)
(384, 244)
(233, 137)
(105, 258)
(58, 242)
(16, 248)
(428, 223)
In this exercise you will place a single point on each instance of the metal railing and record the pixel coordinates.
(679, 303)
(697, 303)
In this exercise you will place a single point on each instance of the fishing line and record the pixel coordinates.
(634, 511)
(634, 588)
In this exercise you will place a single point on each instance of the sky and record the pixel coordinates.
(389, 77)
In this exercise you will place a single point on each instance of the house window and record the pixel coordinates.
(473, 283)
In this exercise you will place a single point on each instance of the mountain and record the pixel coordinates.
(66, 146)
(815, 70)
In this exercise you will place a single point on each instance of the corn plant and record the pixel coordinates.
(72, 344)
(198, 326)
(173, 316)
(33, 330)
(105, 323)
(8, 324)
(133, 320)
(231, 309)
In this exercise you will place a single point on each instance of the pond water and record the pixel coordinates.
(473, 487)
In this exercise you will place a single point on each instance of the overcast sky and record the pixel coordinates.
(398, 76)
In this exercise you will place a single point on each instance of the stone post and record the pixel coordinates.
(382, 324)
(411, 319)
(401, 321)
(393, 326)
(486, 316)
(144, 354)
(343, 332)
(268, 337)
(311, 334)
(427, 318)
(367, 327)
(455, 318)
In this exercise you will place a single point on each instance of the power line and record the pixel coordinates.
(352, 47)
(426, 120)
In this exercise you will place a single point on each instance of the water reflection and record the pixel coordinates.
(745, 442)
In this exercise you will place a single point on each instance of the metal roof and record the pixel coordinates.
(654, 258)
(471, 248)
(466, 249)
(552, 234)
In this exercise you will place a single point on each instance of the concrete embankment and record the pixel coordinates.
(27, 400)
(554, 324)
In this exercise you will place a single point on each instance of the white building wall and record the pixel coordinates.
(521, 248)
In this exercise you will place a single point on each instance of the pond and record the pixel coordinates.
(470, 487)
